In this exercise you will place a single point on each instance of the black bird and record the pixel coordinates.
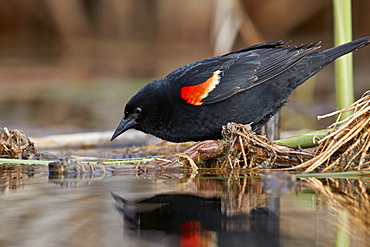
(245, 86)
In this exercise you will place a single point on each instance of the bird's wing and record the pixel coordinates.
(215, 79)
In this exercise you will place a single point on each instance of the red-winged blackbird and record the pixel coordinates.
(245, 86)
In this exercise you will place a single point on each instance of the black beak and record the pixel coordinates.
(124, 125)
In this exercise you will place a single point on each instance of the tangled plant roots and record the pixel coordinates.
(242, 144)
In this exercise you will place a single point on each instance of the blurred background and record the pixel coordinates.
(70, 66)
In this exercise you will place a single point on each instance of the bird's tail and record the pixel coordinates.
(316, 61)
(331, 54)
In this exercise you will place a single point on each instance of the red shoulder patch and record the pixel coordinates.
(196, 93)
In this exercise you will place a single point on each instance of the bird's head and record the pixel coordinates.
(145, 111)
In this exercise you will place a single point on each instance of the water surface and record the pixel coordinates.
(181, 210)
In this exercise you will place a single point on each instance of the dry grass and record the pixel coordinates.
(346, 147)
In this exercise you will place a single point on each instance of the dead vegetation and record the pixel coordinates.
(16, 145)
(346, 147)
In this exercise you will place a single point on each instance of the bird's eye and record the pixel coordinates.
(137, 110)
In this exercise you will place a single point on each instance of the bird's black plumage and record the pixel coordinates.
(245, 86)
